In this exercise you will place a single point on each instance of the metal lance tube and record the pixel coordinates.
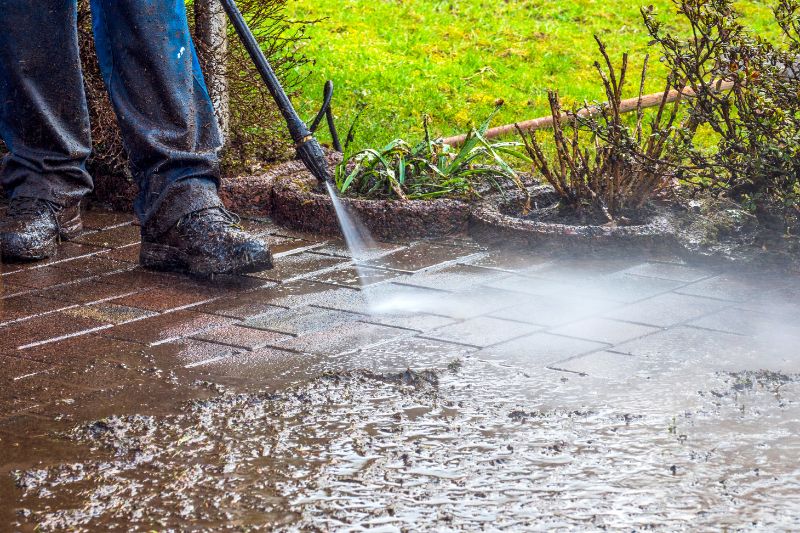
(308, 149)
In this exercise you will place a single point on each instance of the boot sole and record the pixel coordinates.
(168, 258)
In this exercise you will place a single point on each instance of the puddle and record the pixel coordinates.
(474, 445)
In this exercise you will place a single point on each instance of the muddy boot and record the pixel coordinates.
(205, 243)
(33, 227)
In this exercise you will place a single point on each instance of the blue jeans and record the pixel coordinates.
(151, 72)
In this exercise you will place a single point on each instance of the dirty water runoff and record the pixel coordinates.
(415, 434)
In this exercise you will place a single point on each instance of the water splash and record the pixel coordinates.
(358, 239)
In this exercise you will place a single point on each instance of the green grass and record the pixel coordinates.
(452, 60)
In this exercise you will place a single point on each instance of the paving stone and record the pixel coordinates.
(262, 369)
(605, 365)
(452, 278)
(382, 299)
(128, 254)
(578, 269)
(8, 290)
(294, 266)
(64, 251)
(44, 277)
(396, 299)
(283, 246)
(97, 219)
(730, 287)
(87, 292)
(667, 309)
(711, 350)
(354, 277)
(94, 265)
(619, 287)
(34, 391)
(81, 349)
(141, 278)
(109, 313)
(243, 337)
(506, 260)
(166, 327)
(112, 238)
(338, 248)
(26, 306)
(407, 352)
(44, 328)
(16, 368)
(784, 302)
(553, 310)
(258, 301)
(671, 271)
(168, 298)
(95, 375)
(300, 321)
(343, 338)
(538, 350)
(187, 352)
(418, 256)
(419, 322)
(743, 322)
(482, 331)
(604, 330)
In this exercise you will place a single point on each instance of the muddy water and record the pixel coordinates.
(408, 435)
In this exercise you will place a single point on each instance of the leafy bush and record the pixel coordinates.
(430, 168)
(601, 162)
(757, 120)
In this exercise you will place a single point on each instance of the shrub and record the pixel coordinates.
(430, 168)
(756, 121)
(601, 162)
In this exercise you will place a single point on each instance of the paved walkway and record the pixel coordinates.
(91, 319)
(89, 333)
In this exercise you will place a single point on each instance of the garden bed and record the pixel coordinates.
(299, 203)
(544, 227)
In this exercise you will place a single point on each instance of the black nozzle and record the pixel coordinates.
(312, 155)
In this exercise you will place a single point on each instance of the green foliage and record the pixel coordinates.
(745, 91)
(430, 168)
(452, 60)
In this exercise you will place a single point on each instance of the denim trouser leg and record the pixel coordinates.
(43, 117)
(152, 74)
(171, 134)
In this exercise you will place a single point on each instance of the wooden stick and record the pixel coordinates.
(625, 106)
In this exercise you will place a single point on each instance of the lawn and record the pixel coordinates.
(452, 60)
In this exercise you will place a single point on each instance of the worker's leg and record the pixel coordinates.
(168, 124)
(167, 119)
(43, 115)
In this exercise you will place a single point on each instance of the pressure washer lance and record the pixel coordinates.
(308, 148)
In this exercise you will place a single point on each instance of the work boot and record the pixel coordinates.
(204, 243)
(33, 227)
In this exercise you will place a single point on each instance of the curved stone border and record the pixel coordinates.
(297, 205)
(489, 225)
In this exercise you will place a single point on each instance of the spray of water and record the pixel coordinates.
(359, 241)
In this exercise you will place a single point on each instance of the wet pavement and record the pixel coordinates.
(459, 389)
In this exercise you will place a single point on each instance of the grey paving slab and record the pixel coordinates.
(262, 369)
(418, 256)
(713, 350)
(667, 309)
(621, 287)
(605, 365)
(731, 287)
(504, 260)
(299, 321)
(299, 265)
(357, 276)
(452, 278)
(744, 322)
(344, 338)
(554, 310)
(538, 350)
(420, 322)
(482, 331)
(338, 248)
(670, 271)
(604, 330)
(406, 352)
